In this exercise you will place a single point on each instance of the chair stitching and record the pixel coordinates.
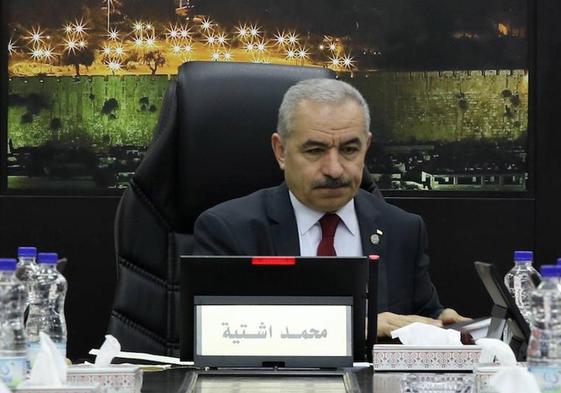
(145, 274)
(141, 329)
(130, 323)
(146, 200)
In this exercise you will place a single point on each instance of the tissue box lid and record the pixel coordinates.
(397, 357)
(89, 369)
(93, 388)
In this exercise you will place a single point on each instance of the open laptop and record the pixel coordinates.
(349, 280)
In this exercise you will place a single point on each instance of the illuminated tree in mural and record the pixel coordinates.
(83, 57)
(153, 60)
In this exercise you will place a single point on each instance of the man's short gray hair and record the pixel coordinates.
(325, 91)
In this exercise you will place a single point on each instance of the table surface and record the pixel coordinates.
(177, 379)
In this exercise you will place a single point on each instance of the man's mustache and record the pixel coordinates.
(330, 182)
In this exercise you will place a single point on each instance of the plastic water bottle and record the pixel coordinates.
(46, 313)
(27, 268)
(59, 286)
(544, 348)
(13, 345)
(522, 280)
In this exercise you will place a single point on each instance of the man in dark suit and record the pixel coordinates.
(320, 144)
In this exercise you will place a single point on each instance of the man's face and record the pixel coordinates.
(323, 155)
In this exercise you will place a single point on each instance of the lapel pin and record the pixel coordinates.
(375, 239)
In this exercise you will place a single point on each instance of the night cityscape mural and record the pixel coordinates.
(446, 81)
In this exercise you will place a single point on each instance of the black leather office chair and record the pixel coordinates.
(211, 144)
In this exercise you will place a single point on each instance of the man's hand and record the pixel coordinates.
(449, 315)
(388, 321)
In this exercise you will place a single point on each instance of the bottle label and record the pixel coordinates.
(12, 370)
(548, 378)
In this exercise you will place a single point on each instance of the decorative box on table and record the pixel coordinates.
(397, 357)
(112, 379)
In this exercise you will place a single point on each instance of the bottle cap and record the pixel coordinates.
(47, 258)
(8, 264)
(550, 270)
(27, 252)
(523, 256)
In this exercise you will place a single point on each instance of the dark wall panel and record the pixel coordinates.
(80, 229)
(462, 231)
(548, 137)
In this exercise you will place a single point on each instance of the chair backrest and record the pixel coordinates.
(211, 144)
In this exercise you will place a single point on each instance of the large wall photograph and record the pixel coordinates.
(446, 81)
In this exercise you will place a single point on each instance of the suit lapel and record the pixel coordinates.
(372, 231)
(284, 230)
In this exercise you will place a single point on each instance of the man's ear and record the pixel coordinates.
(278, 149)
(369, 140)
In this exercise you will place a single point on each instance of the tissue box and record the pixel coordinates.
(95, 388)
(397, 357)
(112, 379)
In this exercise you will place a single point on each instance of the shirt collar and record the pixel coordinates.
(306, 217)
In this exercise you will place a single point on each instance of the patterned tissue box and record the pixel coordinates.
(397, 357)
(112, 379)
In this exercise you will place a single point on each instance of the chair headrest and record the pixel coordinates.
(225, 115)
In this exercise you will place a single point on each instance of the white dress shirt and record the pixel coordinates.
(347, 235)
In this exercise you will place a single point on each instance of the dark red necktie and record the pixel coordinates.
(328, 224)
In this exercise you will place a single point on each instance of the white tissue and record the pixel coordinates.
(49, 368)
(108, 350)
(3, 387)
(514, 380)
(419, 333)
(496, 351)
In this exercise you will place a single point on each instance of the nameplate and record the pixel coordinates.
(276, 329)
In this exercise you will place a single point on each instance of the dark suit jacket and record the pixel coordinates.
(263, 223)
